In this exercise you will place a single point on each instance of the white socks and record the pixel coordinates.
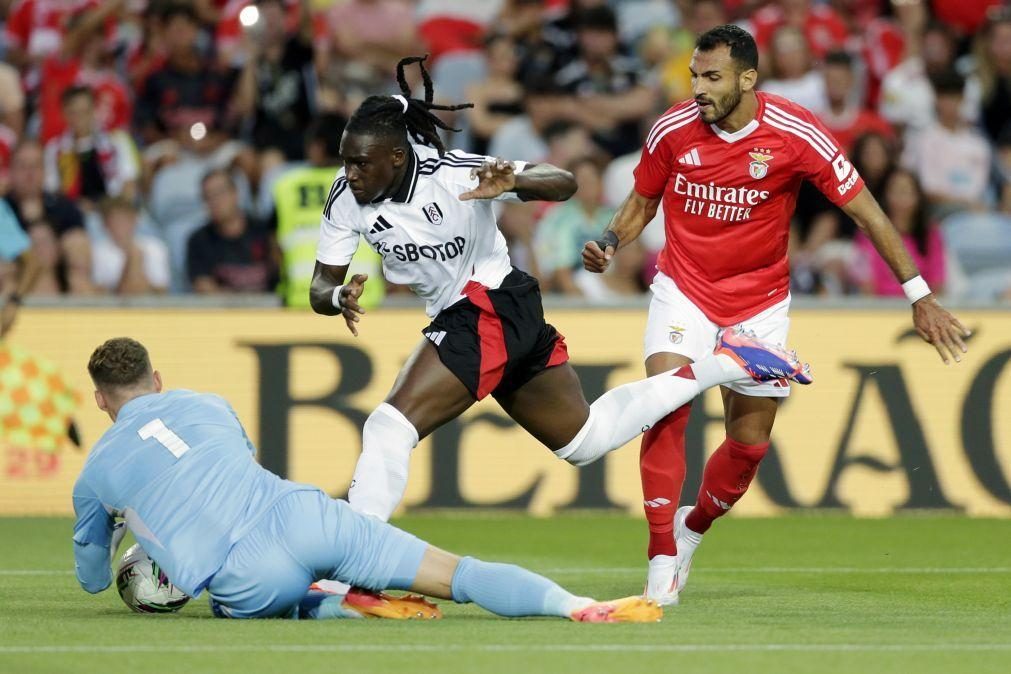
(623, 413)
(615, 418)
(381, 474)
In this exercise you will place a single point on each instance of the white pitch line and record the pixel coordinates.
(792, 569)
(605, 570)
(513, 648)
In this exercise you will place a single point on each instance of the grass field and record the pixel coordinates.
(795, 594)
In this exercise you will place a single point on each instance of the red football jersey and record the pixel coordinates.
(728, 198)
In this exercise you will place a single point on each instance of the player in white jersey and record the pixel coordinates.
(429, 214)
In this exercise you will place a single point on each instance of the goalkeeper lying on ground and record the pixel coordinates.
(178, 467)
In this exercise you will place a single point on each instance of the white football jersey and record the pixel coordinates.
(428, 238)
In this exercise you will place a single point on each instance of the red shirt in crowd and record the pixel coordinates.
(822, 27)
(113, 103)
(853, 123)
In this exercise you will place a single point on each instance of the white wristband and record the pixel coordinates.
(336, 299)
(916, 289)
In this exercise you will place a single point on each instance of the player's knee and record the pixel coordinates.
(384, 422)
(582, 448)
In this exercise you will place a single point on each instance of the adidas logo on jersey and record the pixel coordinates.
(382, 224)
(691, 158)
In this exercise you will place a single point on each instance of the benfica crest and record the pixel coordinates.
(758, 166)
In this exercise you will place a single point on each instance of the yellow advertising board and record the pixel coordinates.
(886, 427)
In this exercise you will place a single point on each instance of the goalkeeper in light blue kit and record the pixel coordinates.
(179, 468)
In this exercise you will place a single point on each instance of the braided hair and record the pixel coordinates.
(385, 115)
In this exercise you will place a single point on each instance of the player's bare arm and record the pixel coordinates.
(632, 217)
(536, 182)
(932, 321)
(326, 279)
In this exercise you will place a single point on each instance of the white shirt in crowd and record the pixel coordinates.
(108, 262)
(807, 90)
(126, 169)
(954, 164)
(907, 97)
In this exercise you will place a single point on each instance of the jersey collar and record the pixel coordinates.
(745, 130)
(406, 190)
(135, 405)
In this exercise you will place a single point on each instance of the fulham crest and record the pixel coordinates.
(433, 213)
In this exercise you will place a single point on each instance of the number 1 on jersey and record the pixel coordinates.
(156, 429)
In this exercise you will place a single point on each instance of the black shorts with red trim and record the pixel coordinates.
(495, 340)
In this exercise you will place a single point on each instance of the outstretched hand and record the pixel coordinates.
(494, 178)
(938, 327)
(350, 309)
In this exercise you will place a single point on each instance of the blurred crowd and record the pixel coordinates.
(153, 146)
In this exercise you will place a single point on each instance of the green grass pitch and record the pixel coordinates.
(805, 594)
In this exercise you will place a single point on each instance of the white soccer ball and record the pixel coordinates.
(143, 585)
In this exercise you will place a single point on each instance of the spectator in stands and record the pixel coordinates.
(567, 142)
(879, 39)
(558, 243)
(276, 85)
(874, 156)
(12, 117)
(34, 30)
(85, 163)
(499, 97)
(46, 251)
(907, 95)
(522, 137)
(669, 49)
(15, 249)
(518, 223)
(188, 99)
(993, 64)
(147, 53)
(233, 252)
(50, 217)
(950, 159)
(299, 196)
(562, 33)
(454, 26)
(820, 26)
(126, 262)
(906, 206)
(843, 115)
(821, 238)
(12, 100)
(791, 73)
(1002, 151)
(84, 60)
(606, 90)
(230, 36)
(523, 22)
(372, 36)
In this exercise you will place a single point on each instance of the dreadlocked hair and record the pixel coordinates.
(385, 115)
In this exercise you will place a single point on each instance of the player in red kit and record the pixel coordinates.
(728, 165)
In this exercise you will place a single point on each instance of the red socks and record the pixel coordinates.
(727, 475)
(662, 469)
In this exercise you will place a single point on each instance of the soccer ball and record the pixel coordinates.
(144, 587)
